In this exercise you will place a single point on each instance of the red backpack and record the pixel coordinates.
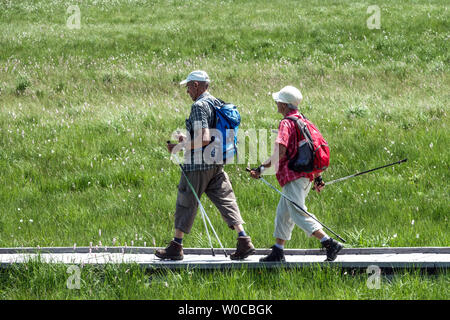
(313, 153)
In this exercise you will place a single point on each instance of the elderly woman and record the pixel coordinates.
(296, 185)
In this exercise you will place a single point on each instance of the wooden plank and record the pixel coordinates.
(207, 251)
(192, 261)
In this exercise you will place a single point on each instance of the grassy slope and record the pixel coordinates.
(85, 113)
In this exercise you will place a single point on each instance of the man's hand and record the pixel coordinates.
(170, 146)
(180, 137)
(318, 184)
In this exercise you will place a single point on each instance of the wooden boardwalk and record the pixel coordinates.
(201, 258)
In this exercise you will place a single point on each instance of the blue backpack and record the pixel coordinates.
(227, 118)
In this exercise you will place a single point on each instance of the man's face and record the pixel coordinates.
(192, 89)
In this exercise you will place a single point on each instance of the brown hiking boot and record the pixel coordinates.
(174, 251)
(244, 248)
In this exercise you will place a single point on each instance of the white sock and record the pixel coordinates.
(325, 238)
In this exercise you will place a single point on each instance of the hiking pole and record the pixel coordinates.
(202, 210)
(295, 204)
(360, 173)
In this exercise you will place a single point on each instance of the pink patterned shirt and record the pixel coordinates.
(287, 136)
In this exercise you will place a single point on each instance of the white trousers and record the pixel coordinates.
(288, 215)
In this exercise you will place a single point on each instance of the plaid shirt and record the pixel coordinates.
(287, 136)
(201, 116)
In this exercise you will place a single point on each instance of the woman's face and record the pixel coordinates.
(281, 107)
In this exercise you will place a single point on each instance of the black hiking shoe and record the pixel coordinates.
(332, 248)
(277, 255)
(174, 251)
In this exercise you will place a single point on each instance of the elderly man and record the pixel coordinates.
(295, 185)
(205, 177)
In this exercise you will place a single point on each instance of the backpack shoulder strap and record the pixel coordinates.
(302, 127)
(300, 124)
(306, 133)
(214, 108)
(221, 101)
(297, 136)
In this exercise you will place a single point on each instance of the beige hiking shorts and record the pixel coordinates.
(216, 184)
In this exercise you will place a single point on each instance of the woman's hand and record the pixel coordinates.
(318, 184)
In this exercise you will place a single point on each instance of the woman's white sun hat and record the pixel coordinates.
(289, 95)
(197, 75)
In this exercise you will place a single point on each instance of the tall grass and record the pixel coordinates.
(85, 115)
(39, 281)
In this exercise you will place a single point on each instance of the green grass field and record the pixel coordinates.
(85, 114)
